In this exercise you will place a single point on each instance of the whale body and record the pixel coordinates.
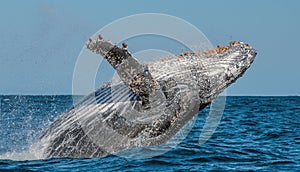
(150, 102)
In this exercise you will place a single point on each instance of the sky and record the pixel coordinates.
(41, 40)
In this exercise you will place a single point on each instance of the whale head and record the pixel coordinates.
(214, 70)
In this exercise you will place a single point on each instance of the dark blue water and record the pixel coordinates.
(255, 133)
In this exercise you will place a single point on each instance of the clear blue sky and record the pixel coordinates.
(40, 40)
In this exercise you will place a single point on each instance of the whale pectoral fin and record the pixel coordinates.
(135, 75)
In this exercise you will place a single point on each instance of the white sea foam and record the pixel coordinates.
(33, 152)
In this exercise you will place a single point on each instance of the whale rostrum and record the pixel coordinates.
(150, 102)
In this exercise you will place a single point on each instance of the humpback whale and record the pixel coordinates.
(149, 103)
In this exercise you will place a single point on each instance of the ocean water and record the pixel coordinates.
(255, 134)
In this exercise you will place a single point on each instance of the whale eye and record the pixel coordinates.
(146, 73)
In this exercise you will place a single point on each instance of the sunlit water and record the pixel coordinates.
(255, 133)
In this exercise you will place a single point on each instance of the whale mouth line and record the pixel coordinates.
(218, 50)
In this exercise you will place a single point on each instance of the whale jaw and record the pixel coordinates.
(225, 68)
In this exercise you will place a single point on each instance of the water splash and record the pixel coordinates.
(33, 153)
(22, 120)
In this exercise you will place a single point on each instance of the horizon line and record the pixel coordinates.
(231, 95)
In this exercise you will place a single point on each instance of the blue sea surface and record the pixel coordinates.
(255, 134)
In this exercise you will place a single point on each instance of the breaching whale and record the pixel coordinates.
(148, 105)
